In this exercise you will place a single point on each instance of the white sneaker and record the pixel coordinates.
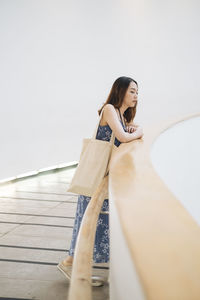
(97, 281)
(67, 271)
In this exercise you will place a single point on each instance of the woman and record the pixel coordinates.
(118, 114)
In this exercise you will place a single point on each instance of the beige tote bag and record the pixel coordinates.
(93, 164)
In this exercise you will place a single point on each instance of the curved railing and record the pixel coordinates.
(154, 241)
(161, 240)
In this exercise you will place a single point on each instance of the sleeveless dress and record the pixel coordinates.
(101, 245)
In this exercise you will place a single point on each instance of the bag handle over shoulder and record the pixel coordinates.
(96, 129)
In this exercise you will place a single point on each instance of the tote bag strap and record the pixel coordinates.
(96, 129)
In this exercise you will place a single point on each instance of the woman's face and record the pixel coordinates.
(131, 96)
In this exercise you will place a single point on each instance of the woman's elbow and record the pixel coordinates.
(122, 139)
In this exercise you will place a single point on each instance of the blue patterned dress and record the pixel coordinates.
(101, 245)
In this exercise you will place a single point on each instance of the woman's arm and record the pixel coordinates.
(131, 127)
(110, 116)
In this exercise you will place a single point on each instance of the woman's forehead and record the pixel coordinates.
(133, 85)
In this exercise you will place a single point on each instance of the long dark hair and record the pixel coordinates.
(116, 97)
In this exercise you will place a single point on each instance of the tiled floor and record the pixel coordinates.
(36, 221)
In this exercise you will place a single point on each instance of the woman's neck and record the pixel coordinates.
(121, 112)
(123, 108)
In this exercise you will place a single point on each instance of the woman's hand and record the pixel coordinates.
(138, 131)
(131, 128)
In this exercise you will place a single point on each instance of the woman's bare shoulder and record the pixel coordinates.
(109, 108)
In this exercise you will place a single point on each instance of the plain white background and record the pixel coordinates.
(175, 157)
(59, 59)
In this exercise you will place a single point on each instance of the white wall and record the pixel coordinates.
(59, 59)
(175, 157)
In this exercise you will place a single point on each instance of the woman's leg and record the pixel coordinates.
(101, 248)
(101, 245)
(68, 261)
(81, 207)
